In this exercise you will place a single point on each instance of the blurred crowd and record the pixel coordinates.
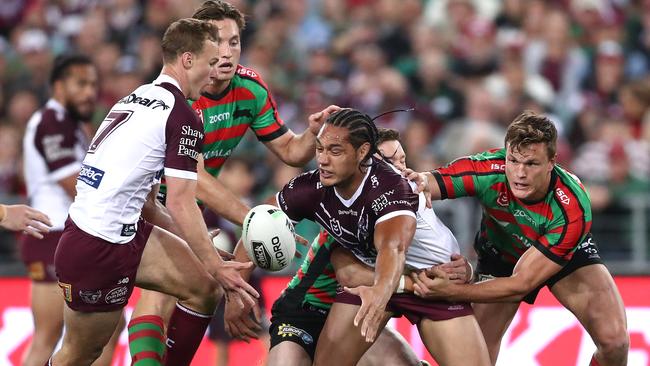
(466, 67)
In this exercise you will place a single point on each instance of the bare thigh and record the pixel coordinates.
(288, 354)
(592, 296)
(455, 342)
(340, 342)
(390, 348)
(154, 303)
(494, 320)
(169, 266)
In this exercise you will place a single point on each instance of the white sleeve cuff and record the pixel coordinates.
(184, 174)
(390, 215)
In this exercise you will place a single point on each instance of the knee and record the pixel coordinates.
(614, 343)
(206, 292)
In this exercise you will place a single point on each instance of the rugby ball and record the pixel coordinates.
(269, 237)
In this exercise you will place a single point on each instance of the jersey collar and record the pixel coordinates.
(357, 193)
(219, 95)
(164, 78)
(58, 108)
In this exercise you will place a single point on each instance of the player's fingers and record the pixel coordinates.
(257, 313)
(226, 327)
(213, 233)
(361, 314)
(241, 265)
(246, 297)
(225, 255)
(302, 241)
(40, 227)
(417, 290)
(40, 217)
(249, 289)
(352, 290)
(33, 232)
(433, 272)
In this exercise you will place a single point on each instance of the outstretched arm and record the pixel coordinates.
(218, 198)
(532, 269)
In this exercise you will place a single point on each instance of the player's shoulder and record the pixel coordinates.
(384, 177)
(247, 77)
(308, 180)
(569, 192)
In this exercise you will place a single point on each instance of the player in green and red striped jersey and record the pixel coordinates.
(237, 99)
(534, 233)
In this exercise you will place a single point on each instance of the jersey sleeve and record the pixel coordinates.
(267, 123)
(184, 142)
(397, 199)
(470, 175)
(566, 232)
(298, 197)
(56, 144)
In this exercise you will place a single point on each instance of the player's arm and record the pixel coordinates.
(156, 213)
(187, 217)
(24, 218)
(532, 269)
(391, 238)
(69, 185)
(218, 198)
(298, 150)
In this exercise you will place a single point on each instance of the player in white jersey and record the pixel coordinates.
(54, 145)
(448, 330)
(107, 247)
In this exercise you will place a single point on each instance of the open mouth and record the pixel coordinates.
(324, 173)
(521, 186)
(226, 66)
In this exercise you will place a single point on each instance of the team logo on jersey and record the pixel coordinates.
(151, 103)
(374, 181)
(117, 295)
(335, 225)
(90, 297)
(240, 112)
(503, 199)
(91, 175)
(562, 196)
(288, 330)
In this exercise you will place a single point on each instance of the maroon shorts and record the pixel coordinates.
(38, 255)
(415, 308)
(94, 274)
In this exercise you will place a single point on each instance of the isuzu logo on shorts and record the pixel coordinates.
(91, 175)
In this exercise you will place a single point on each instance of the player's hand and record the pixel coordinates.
(431, 283)
(317, 120)
(459, 270)
(371, 312)
(26, 219)
(228, 276)
(238, 322)
(421, 182)
(224, 254)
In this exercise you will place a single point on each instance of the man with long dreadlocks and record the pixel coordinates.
(369, 210)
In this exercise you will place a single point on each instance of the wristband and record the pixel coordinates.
(402, 283)
(3, 213)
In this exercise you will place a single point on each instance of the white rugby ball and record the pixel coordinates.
(269, 237)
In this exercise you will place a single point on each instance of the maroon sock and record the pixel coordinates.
(593, 361)
(186, 330)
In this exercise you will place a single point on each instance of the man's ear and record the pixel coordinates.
(187, 58)
(362, 151)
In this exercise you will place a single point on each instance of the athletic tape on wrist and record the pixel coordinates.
(401, 285)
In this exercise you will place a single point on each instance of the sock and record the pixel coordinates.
(146, 340)
(593, 361)
(186, 330)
